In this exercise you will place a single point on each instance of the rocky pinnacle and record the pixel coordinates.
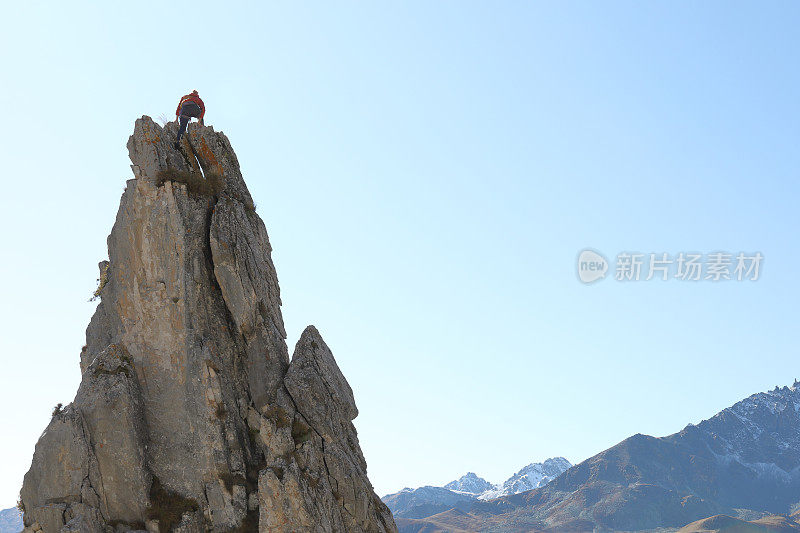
(190, 415)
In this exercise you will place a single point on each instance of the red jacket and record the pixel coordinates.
(191, 98)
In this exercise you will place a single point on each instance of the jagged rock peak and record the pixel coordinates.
(189, 416)
(470, 483)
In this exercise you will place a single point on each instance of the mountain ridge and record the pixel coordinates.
(743, 460)
(460, 493)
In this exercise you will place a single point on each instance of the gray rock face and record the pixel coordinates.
(190, 416)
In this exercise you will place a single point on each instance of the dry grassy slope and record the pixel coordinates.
(727, 524)
(454, 521)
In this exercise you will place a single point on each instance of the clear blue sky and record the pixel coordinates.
(428, 172)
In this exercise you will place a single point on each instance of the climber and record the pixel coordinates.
(190, 106)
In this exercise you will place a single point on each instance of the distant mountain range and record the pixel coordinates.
(10, 521)
(464, 491)
(743, 462)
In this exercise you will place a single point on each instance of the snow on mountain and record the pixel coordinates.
(470, 484)
(531, 477)
(462, 492)
(760, 433)
(10, 521)
(426, 501)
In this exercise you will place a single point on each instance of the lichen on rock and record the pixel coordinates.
(190, 415)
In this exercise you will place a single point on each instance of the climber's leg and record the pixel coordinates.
(188, 111)
(184, 121)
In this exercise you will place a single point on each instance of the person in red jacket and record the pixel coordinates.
(190, 106)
